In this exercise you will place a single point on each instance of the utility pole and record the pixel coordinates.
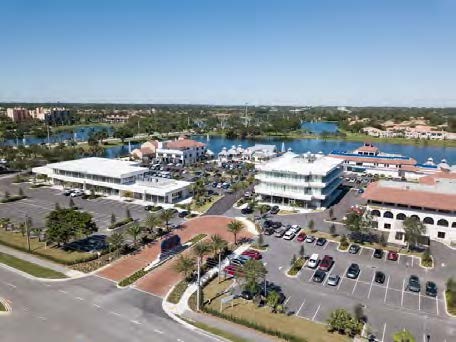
(27, 231)
(198, 294)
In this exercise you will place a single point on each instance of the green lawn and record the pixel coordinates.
(216, 331)
(16, 240)
(30, 268)
(175, 296)
(205, 207)
(2, 307)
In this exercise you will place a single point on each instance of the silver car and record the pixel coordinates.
(333, 280)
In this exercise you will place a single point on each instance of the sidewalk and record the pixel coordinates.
(41, 262)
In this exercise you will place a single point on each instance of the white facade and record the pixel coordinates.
(308, 180)
(115, 178)
(389, 203)
(182, 151)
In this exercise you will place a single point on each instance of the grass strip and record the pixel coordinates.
(176, 294)
(215, 331)
(30, 268)
(2, 307)
(451, 302)
(296, 267)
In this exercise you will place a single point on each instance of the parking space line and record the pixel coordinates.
(342, 278)
(412, 260)
(370, 288)
(384, 330)
(311, 276)
(437, 304)
(287, 301)
(315, 314)
(372, 256)
(387, 286)
(419, 301)
(326, 245)
(356, 283)
(297, 312)
(402, 296)
(398, 257)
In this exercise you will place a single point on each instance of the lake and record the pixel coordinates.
(420, 153)
(319, 127)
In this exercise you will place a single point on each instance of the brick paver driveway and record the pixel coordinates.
(163, 278)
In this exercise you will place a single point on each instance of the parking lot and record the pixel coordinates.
(389, 306)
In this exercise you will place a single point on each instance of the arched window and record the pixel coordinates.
(388, 214)
(442, 222)
(375, 212)
(400, 216)
(416, 217)
(428, 220)
(453, 225)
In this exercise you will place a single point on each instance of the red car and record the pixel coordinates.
(301, 237)
(232, 270)
(326, 263)
(393, 256)
(253, 254)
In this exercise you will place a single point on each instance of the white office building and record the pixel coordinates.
(307, 180)
(113, 177)
(432, 201)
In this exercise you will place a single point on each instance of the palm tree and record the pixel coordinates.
(185, 266)
(201, 249)
(152, 221)
(218, 245)
(116, 241)
(134, 231)
(166, 216)
(235, 227)
(414, 229)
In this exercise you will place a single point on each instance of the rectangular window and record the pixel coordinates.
(441, 235)
(387, 226)
(399, 236)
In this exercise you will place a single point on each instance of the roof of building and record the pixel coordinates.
(100, 166)
(374, 159)
(316, 164)
(367, 148)
(261, 148)
(433, 179)
(440, 195)
(182, 144)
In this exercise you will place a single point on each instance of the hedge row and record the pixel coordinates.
(50, 257)
(254, 325)
(12, 199)
(120, 223)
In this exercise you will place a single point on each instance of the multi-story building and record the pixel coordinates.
(181, 151)
(18, 114)
(432, 201)
(51, 116)
(307, 180)
(115, 178)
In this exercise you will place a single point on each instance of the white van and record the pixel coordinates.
(313, 261)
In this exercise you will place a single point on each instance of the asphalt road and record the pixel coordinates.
(82, 310)
(389, 306)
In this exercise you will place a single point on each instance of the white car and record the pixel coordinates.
(313, 261)
(289, 235)
(295, 228)
(77, 193)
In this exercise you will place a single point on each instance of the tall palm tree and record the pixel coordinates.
(166, 216)
(185, 266)
(235, 227)
(152, 221)
(201, 249)
(134, 231)
(116, 241)
(218, 245)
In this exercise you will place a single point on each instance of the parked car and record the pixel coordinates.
(268, 231)
(289, 235)
(276, 224)
(267, 224)
(313, 261)
(379, 277)
(319, 276)
(301, 237)
(247, 194)
(414, 284)
(232, 270)
(393, 256)
(353, 271)
(148, 207)
(183, 213)
(280, 232)
(77, 193)
(310, 238)
(253, 254)
(296, 228)
(67, 192)
(274, 210)
(320, 242)
(246, 210)
(246, 295)
(354, 249)
(378, 253)
(333, 280)
(326, 263)
(431, 289)
(238, 262)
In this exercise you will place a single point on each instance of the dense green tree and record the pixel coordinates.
(403, 336)
(235, 227)
(414, 229)
(65, 224)
(185, 266)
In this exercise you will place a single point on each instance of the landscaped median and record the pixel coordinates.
(30, 268)
(296, 266)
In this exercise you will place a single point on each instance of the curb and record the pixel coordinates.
(446, 306)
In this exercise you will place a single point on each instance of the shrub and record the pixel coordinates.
(131, 279)
(120, 223)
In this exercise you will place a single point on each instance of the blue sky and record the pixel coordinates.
(303, 52)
